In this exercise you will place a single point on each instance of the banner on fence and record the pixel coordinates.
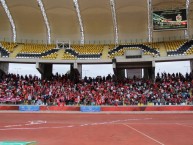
(90, 108)
(29, 108)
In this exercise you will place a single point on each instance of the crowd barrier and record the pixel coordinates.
(108, 108)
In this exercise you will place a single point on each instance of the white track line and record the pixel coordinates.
(37, 128)
(13, 125)
(184, 125)
(36, 122)
(143, 134)
(39, 122)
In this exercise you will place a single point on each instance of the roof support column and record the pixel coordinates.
(10, 19)
(45, 20)
(45, 70)
(76, 5)
(114, 17)
(150, 27)
(186, 32)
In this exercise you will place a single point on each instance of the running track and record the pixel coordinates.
(98, 129)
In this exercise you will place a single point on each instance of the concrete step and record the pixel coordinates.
(162, 50)
(16, 51)
(60, 53)
(105, 52)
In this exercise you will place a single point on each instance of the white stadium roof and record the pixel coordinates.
(89, 20)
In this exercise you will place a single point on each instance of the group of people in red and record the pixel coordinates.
(166, 89)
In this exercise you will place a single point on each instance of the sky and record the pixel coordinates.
(98, 70)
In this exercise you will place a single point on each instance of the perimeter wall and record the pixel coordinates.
(108, 108)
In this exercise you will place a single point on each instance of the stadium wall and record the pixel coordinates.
(9, 108)
(148, 108)
(59, 108)
(107, 108)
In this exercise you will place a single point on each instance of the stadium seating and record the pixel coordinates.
(50, 56)
(120, 52)
(189, 51)
(6, 48)
(121, 49)
(4, 52)
(111, 46)
(94, 51)
(72, 52)
(36, 50)
(88, 48)
(9, 46)
(87, 51)
(183, 49)
(154, 45)
(173, 45)
(68, 56)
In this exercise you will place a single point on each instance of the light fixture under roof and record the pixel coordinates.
(76, 5)
(112, 4)
(45, 20)
(10, 19)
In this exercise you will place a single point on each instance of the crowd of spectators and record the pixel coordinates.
(166, 89)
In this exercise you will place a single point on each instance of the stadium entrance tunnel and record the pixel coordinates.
(121, 68)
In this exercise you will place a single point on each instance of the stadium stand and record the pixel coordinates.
(86, 51)
(6, 48)
(88, 48)
(145, 48)
(189, 51)
(168, 89)
(68, 56)
(182, 50)
(50, 56)
(9, 46)
(132, 39)
(4, 52)
(111, 46)
(36, 50)
(154, 45)
(120, 52)
(173, 45)
(94, 51)
(72, 52)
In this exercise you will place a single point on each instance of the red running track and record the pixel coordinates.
(97, 129)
